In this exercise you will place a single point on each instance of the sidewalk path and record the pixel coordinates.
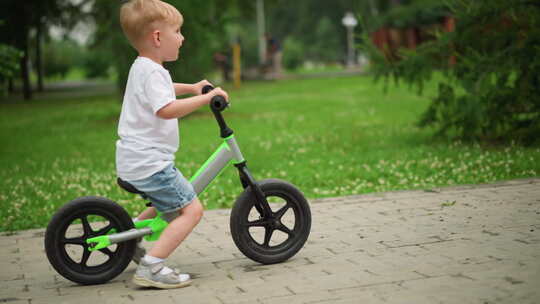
(470, 244)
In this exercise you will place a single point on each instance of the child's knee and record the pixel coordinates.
(199, 210)
(195, 210)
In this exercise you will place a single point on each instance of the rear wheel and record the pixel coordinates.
(275, 238)
(78, 220)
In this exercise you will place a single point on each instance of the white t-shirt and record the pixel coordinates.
(147, 142)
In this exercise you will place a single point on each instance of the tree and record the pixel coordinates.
(315, 25)
(491, 91)
(204, 28)
(22, 18)
(108, 39)
(61, 56)
(306, 30)
(17, 18)
(9, 58)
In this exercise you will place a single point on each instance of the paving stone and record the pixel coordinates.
(465, 244)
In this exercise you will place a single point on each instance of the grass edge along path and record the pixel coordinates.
(330, 137)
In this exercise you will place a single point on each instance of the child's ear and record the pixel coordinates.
(155, 38)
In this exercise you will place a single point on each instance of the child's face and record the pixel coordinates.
(171, 40)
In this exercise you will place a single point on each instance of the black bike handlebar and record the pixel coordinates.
(218, 102)
(207, 88)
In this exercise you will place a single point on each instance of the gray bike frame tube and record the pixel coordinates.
(235, 149)
(224, 155)
(129, 235)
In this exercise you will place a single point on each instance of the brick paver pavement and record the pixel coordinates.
(470, 244)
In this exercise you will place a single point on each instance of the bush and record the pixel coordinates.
(9, 64)
(96, 63)
(416, 13)
(293, 53)
(491, 72)
(326, 47)
(60, 56)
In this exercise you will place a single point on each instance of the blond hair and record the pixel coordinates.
(137, 17)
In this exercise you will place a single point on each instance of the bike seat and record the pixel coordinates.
(127, 186)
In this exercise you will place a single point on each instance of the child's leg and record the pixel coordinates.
(149, 213)
(177, 230)
(140, 251)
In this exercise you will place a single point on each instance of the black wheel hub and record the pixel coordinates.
(88, 232)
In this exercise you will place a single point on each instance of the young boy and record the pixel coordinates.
(148, 131)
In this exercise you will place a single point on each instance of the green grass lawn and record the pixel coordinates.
(330, 137)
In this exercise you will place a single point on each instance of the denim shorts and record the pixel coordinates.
(168, 189)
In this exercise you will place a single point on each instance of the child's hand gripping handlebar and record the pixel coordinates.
(218, 102)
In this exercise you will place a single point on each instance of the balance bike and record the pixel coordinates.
(91, 240)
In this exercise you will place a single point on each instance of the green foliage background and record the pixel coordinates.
(204, 29)
(348, 138)
(492, 92)
(307, 30)
(9, 64)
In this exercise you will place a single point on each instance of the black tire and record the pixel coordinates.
(263, 251)
(56, 241)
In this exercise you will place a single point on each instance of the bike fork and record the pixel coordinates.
(247, 180)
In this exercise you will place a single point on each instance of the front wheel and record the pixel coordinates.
(275, 238)
(78, 220)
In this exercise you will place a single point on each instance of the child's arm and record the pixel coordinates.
(184, 106)
(185, 88)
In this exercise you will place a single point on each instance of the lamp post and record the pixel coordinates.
(261, 31)
(350, 22)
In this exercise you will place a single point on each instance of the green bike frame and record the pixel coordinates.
(226, 153)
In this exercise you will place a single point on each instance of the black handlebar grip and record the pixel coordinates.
(207, 88)
(218, 103)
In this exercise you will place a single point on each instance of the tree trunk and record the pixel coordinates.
(412, 38)
(11, 87)
(450, 26)
(39, 59)
(25, 73)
